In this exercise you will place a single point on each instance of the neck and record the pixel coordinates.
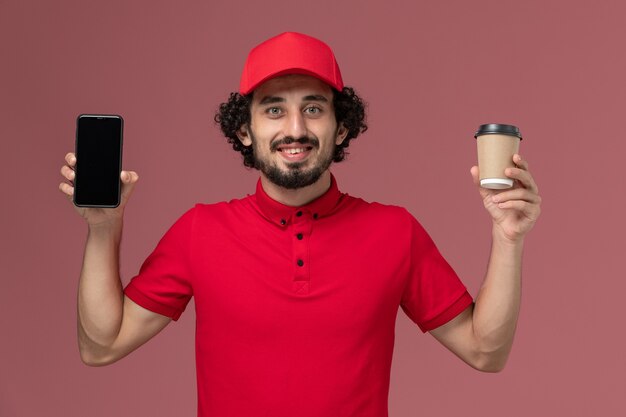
(300, 196)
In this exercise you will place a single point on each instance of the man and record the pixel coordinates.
(297, 287)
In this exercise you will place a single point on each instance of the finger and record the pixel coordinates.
(517, 194)
(529, 210)
(484, 192)
(68, 173)
(519, 162)
(129, 180)
(66, 189)
(70, 158)
(524, 177)
(474, 172)
(129, 177)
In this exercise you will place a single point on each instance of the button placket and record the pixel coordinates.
(301, 228)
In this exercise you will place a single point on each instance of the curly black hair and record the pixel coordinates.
(349, 111)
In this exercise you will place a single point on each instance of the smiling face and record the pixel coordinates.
(292, 130)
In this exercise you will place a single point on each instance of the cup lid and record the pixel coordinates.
(499, 129)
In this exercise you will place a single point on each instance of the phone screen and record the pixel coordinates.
(98, 160)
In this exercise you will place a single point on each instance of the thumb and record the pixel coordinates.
(129, 180)
(476, 177)
(474, 172)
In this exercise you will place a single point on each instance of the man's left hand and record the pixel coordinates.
(514, 211)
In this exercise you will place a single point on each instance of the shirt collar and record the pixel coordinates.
(281, 214)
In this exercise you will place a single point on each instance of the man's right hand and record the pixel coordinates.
(97, 216)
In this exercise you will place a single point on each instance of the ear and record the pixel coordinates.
(244, 135)
(342, 132)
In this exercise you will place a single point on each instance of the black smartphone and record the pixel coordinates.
(98, 160)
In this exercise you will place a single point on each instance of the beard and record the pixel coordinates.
(295, 176)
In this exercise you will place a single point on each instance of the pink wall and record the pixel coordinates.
(432, 72)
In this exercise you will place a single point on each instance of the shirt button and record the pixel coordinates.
(299, 214)
(299, 236)
(283, 222)
(315, 216)
(300, 262)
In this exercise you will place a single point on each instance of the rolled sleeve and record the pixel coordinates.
(433, 294)
(163, 284)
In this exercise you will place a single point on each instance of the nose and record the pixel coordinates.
(295, 125)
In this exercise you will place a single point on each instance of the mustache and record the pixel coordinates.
(304, 140)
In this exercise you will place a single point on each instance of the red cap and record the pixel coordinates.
(290, 53)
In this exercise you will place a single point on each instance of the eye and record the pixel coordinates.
(313, 110)
(273, 111)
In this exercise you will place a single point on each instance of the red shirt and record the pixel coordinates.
(296, 306)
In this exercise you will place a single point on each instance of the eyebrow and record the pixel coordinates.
(276, 99)
(271, 99)
(316, 97)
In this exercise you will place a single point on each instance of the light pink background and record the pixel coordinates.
(432, 72)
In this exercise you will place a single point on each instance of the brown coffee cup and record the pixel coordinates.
(497, 143)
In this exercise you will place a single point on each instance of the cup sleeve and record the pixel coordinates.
(163, 284)
(433, 294)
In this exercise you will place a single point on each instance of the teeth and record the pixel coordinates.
(294, 150)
